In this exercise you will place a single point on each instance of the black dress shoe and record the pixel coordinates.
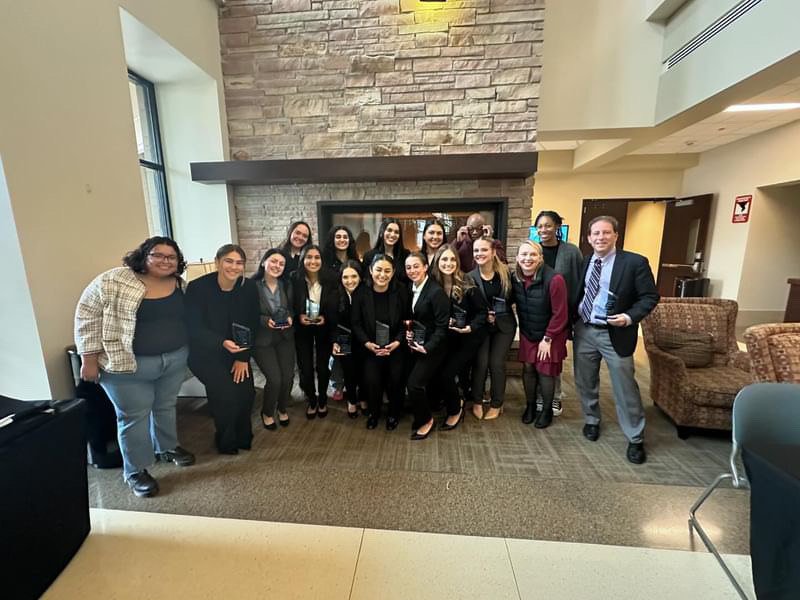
(636, 453)
(271, 426)
(445, 427)
(179, 456)
(283, 422)
(392, 423)
(421, 436)
(591, 432)
(142, 484)
(530, 413)
(545, 417)
(372, 422)
(228, 450)
(352, 411)
(322, 412)
(311, 412)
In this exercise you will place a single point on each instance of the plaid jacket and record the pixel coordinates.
(105, 319)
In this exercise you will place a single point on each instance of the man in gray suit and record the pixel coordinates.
(617, 291)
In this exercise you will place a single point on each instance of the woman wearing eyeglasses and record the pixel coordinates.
(222, 307)
(131, 334)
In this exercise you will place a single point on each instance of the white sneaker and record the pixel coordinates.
(556, 407)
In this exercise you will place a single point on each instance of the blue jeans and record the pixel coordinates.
(145, 405)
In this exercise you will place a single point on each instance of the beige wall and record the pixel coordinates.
(740, 168)
(564, 193)
(69, 150)
(772, 254)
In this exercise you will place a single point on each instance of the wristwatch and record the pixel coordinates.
(547, 339)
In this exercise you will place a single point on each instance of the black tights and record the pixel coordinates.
(530, 377)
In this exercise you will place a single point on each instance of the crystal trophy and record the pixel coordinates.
(344, 339)
(312, 310)
(381, 334)
(280, 317)
(241, 335)
(609, 307)
(459, 316)
(499, 306)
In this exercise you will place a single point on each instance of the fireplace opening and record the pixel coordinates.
(364, 218)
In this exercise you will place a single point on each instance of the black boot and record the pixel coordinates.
(530, 413)
(545, 417)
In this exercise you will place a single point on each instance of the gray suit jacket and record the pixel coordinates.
(266, 335)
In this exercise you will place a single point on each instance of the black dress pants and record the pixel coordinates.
(314, 348)
(384, 373)
(231, 404)
(352, 364)
(461, 349)
(423, 371)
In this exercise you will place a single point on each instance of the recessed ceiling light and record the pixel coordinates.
(750, 107)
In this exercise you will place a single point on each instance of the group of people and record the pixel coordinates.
(420, 329)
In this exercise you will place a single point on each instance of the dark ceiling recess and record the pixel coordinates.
(508, 165)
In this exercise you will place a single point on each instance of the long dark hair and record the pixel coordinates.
(377, 258)
(380, 245)
(259, 274)
(286, 246)
(555, 218)
(136, 259)
(428, 224)
(329, 249)
(301, 264)
(356, 266)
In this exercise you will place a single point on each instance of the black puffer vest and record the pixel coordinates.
(533, 304)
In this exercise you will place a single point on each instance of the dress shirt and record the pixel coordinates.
(417, 290)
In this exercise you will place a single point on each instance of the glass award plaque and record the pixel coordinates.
(608, 309)
(382, 337)
(312, 310)
(344, 339)
(499, 306)
(241, 335)
(281, 317)
(419, 332)
(459, 316)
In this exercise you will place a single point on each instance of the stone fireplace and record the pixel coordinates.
(373, 80)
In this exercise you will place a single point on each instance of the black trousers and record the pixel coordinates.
(352, 365)
(423, 371)
(277, 364)
(231, 404)
(385, 373)
(461, 348)
(314, 349)
(491, 358)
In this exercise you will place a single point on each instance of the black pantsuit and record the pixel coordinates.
(432, 310)
(352, 363)
(462, 347)
(382, 373)
(211, 313)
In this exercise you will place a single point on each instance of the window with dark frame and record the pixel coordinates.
(151, 158)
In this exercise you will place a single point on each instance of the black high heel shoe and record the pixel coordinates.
(271, 426)
(311, 412)
(322, 411)
(352, 410)
(421, 436)
(283, 422)
(445, 427)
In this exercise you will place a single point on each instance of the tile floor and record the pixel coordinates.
(158, 556)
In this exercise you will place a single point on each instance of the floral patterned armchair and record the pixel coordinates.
(774, 350)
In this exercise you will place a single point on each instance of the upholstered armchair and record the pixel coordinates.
(696, 368)
(774, 350)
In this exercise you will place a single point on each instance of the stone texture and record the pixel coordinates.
(301, 75)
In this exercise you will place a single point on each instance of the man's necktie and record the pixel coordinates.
(592, 288)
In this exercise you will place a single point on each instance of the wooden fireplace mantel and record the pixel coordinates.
(508, 165)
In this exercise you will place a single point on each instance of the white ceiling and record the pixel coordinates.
(726, 127)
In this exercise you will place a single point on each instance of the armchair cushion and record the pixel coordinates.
(716, 386)
(694, 348)
(785, 354)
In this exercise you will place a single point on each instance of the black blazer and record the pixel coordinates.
(505, 323)
(433, 311)
(398, 262)
(363, 314)
(266, 335)
(474, 302)
(210, 312)
(632, 282)
(328, 302)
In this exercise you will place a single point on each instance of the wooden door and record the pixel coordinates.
(596, 208)
(683, 239)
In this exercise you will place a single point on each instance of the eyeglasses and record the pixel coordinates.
(157, 256)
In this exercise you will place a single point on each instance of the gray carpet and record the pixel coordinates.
(496, 478)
